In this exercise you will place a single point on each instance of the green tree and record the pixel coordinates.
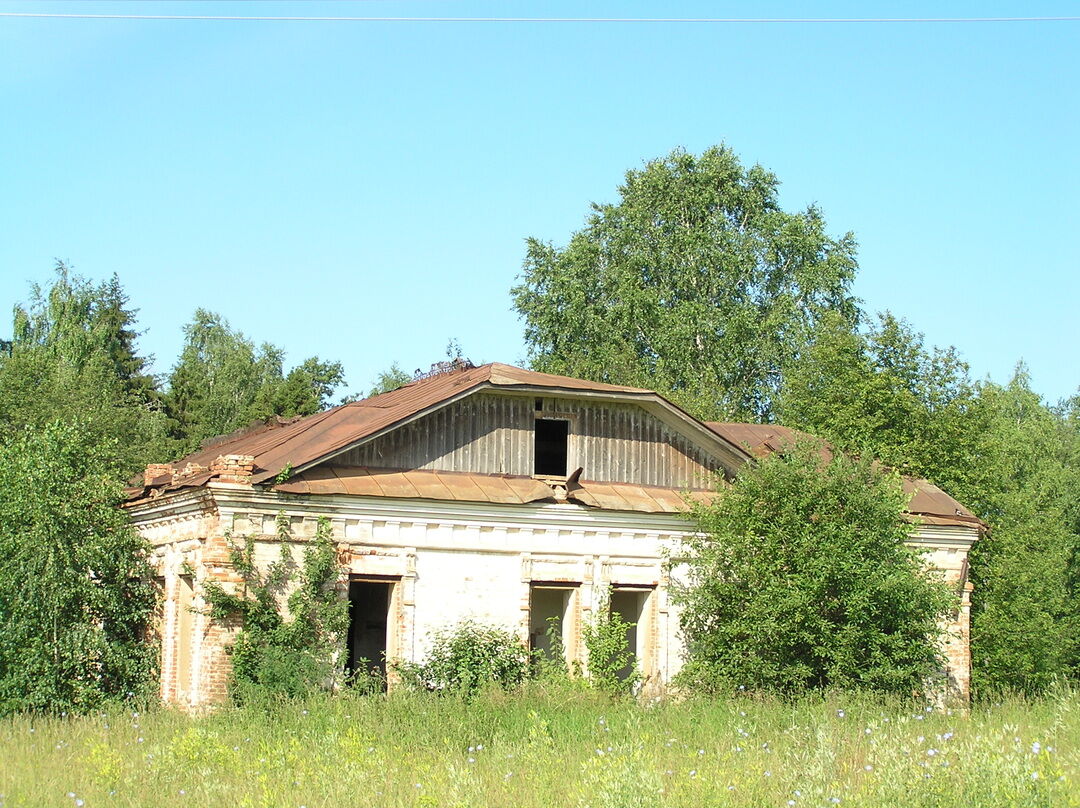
(390, 379)
(1024, 607)
(306, 389)
(73, 350)
(75, 585)
(800, 579)
(223, 382)
(884, 394)
(695, 283)
(998, 449)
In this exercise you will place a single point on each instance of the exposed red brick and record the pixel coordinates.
(155, 470)
(233, 468)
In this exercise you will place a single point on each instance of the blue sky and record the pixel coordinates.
(362, 191)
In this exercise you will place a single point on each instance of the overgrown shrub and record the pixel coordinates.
(275, 656)
(466, 658)
(800, 579)
(605, 638)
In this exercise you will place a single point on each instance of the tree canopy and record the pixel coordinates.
(75, 591)
(997, 448)
(694, 283)
(73, 350)
(223, 382)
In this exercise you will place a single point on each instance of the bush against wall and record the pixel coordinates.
(609, 655)
(75, 585)
(277, 655)
(466, 658)
(800, 579)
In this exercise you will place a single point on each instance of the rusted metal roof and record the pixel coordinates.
(460, 486)
(928, 503)
(301, 441)
(417, 484)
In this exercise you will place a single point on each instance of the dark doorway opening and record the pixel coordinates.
(369, 611)
(551, 437)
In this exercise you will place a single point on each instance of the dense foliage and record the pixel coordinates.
(73, 351)
(467, 658)
(224, 382)
(998, 449)
(800, 580)
(75, 586)
(277, 655)
(695, 283)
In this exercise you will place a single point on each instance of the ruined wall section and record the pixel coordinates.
(493, 434)
(945, 550)
(187, 542)
(446, 562)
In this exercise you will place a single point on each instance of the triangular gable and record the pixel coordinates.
(299, 444)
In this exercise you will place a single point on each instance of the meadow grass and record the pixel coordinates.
(548, 747)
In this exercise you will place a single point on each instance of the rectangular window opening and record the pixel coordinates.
(629, 604)
(551, 621)
(551, 437)
(369, 613)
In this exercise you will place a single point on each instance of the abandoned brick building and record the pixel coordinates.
(492, 492)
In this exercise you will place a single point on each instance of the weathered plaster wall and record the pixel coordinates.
(946, 549)
(452, 560)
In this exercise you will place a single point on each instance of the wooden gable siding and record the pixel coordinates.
(493, 434)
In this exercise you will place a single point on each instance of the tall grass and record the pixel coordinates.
(549, 747)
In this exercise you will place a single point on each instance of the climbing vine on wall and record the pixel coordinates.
(290, 652)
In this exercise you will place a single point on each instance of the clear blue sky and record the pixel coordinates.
(362, 191)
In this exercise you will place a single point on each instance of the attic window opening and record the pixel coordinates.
(551, 437)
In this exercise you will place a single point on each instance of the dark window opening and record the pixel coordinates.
(369, 609)
(551, 438)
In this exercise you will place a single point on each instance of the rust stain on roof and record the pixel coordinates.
(417, 484)
(300, 441)
(459, 486)
(927, 503)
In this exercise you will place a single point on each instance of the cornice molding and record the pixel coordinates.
(547, 516)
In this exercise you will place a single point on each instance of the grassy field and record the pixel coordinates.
(549, 749)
